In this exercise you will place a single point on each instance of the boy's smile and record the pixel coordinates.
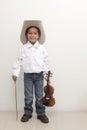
(32, 35)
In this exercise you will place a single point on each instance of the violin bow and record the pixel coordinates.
(16, 100)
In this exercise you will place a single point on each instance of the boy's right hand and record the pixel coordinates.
(14, 77)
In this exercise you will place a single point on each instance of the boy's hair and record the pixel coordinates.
(39, 32)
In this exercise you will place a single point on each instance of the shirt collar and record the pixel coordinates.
(36, 45)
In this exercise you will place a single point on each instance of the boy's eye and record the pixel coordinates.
(29, 33)
(35, 33)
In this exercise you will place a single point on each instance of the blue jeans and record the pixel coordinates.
(33, 80)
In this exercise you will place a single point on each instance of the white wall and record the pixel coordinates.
(65, 24)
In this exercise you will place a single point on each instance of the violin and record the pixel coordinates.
(48, 99)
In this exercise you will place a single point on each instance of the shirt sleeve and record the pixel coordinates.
(46, 62)
(17, 65)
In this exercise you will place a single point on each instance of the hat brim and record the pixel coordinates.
(29, 23)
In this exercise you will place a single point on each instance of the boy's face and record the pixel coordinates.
(32, 35)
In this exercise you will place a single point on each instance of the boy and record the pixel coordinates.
(34, 60)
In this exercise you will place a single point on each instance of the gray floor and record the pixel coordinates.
(58, 121)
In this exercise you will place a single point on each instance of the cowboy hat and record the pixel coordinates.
(35, 23)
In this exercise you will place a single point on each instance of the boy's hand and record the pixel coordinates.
(47, 80)
(14, 77)
(47, 76)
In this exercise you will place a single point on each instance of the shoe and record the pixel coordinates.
(43, 118)
(25, 117)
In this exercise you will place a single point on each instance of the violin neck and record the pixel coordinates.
(47, 88)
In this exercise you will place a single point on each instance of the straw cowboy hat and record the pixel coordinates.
(27, 24)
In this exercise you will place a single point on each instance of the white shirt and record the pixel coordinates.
(33, 59)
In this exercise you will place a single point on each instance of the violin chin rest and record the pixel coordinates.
(47, 98)
(48, 102)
